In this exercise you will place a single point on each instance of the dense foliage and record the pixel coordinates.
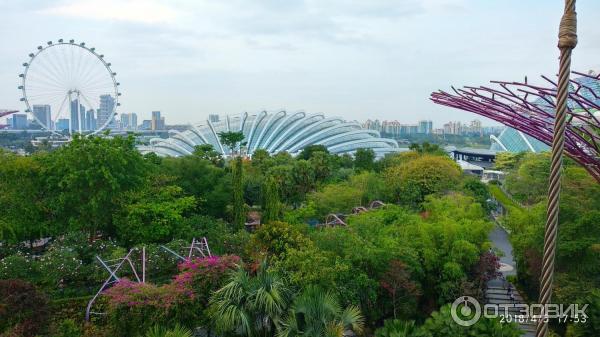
(578, 250)
(99, 197)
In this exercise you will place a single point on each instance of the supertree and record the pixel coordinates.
(531, 109)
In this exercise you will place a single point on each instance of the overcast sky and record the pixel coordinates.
(356, 59)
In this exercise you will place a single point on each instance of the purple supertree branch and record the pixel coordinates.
(510, 105)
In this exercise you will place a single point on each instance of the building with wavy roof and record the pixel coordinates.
(275, 132)
(512, 140)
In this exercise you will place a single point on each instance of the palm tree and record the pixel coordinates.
(397, 328)
(316, 313)
(250, 305)
(177, 331)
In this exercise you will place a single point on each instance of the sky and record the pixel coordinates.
(357, 59)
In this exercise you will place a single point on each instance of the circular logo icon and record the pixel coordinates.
(465, 311)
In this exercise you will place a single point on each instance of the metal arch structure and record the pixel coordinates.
(334, 220)
(530, 108)
(275, 132)
(359, 209)
(56, 70)
(198, 248)
(376, 204)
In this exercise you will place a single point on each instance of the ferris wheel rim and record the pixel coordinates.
(92, 51)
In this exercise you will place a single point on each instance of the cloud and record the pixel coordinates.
(138, 11)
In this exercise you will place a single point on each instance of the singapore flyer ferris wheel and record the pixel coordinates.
(69, 88)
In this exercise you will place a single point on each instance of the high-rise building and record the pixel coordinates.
(425, 126)
(124, 121)
(129, 121)
(146, 124)
(213, 118)
(90, 120)
(77, 116)
(475, 127)
(106, 110)
(42, 115)
(19, 122)
(396, 129)
(62, 124)
(158, 122)
(453, 128)
(133, 123)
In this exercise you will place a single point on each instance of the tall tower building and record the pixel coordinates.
(158, 122)
(43, 115)
(107, 108)
(77, 116)
(425, 126)
(133, 121)
(90, 120)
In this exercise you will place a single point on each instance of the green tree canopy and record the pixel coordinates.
(364, 159)
(412, 180)
(88, 176)
(231, 139)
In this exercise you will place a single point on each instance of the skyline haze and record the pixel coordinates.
(356, 60)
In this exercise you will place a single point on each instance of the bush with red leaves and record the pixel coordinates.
(23, 310)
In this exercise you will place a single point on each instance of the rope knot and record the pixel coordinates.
(567, 32)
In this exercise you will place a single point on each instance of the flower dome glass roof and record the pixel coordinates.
(275, 132)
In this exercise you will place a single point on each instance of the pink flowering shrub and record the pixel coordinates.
(204, 275)
(134, 306)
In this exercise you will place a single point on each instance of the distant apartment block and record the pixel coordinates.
(129, 121)
(158, 122)
(107, 108)
(396, 129)
(146, 124)
(42, 114)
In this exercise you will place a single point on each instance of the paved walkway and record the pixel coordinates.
(501, 242)
(496, 290)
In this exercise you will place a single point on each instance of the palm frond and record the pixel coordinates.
(352, 318)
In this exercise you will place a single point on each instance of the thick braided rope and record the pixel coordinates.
(566, 42)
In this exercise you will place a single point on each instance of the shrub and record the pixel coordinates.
(136, 306)
(19, 266)
(441, 323)
(68, 328)
(397, 328)
(23, 308)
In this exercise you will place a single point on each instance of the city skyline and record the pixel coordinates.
(157, 121)
(192, 59)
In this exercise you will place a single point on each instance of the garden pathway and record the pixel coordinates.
(496, 290)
